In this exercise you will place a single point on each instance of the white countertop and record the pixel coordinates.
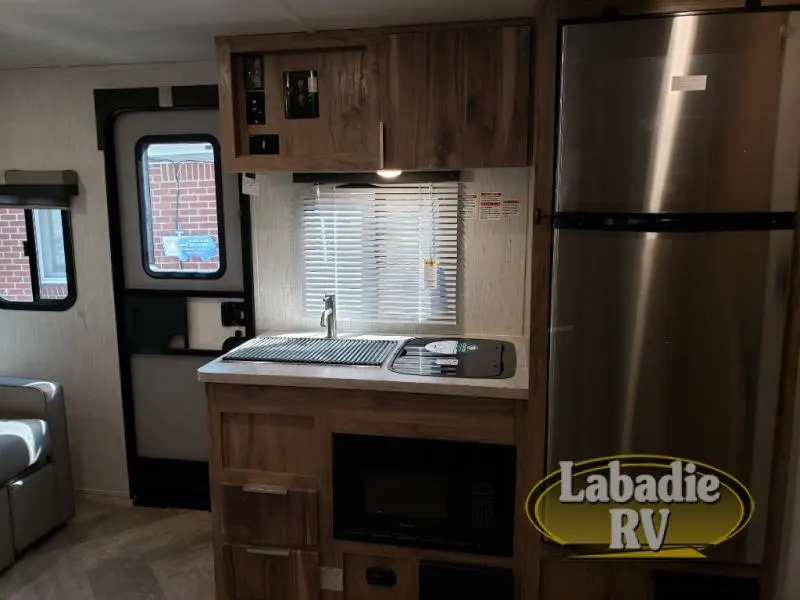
(370, 378)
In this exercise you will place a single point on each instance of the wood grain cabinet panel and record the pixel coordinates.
(357, 584)
(458, 98)
(270, 515)
(346, 134)
(412, 98)
(254, 573)
(631, 579)
(272, 443)
(567, 579)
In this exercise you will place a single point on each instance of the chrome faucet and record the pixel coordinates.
(328, 318)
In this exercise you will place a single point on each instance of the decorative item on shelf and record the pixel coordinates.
(301, 94)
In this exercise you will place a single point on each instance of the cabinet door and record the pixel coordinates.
(458, 98)
(594, 580)
(345, 135)
(271, 573)
(268, 443)
(271, 515)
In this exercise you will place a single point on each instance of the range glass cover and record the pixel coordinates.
(454, 357)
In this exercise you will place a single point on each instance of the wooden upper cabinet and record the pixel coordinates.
(439, 97)
(458, 98)
(344, 135)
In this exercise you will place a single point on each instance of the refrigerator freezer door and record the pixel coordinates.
(676, 114)
(670, 344)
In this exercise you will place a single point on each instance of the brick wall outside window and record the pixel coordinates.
(196, 214)
(15, 273)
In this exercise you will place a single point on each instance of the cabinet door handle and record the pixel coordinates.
(282, 552)
(382, 142)
(273, 490)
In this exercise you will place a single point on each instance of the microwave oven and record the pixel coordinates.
(454, 496)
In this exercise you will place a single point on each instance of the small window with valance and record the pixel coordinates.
(37, 269)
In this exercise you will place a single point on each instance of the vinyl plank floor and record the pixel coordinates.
(111, 551)
(126, 579)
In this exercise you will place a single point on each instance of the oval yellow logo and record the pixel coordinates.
(639, 505)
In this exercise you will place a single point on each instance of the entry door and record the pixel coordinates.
(181, 227)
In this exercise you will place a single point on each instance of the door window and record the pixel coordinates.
(181, 207)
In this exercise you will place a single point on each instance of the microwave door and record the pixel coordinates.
(410, 504)
(455, 496)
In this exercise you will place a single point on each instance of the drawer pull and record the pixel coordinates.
(269, 551)
(273, 490)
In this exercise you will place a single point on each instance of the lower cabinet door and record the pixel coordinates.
(256, 573)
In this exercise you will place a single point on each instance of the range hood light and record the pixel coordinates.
(389, 173)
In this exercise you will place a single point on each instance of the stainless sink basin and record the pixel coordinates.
(317, 351)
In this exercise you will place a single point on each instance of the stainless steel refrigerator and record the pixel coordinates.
(677, 182)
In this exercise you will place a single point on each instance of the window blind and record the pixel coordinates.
(390, 253)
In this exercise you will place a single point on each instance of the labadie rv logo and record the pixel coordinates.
(641, 505)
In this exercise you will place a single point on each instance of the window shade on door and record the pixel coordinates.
(390, 253)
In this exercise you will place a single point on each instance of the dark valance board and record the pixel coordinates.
(39, 189)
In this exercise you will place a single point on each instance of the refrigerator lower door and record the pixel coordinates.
(670, 343)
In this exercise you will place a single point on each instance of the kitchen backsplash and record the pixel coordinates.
(494, 259)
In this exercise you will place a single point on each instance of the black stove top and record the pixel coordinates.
(456, 357)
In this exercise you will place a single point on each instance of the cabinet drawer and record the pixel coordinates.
(256, 573)
(270, 515)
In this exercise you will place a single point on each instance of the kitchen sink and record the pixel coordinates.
(316, 351)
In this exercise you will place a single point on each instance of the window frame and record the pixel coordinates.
(32, 254)
(143, 191)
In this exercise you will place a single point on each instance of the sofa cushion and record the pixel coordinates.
(23, 443)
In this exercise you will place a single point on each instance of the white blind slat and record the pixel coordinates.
(369, 247)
